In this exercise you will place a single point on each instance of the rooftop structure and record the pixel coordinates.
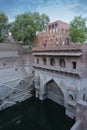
(57, 33)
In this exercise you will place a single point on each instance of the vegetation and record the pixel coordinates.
(78, 29)
(26, 25)
(3, 26)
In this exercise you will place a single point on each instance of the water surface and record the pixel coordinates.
(35, 115)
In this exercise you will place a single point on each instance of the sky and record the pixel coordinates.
(64, 10)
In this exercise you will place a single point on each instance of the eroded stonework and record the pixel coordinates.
(16, 78)
(60, 69)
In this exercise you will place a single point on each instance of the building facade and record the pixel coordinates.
(57, 33)
(61, 73)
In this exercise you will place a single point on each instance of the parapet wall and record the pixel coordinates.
(81, 116)
(77, 125)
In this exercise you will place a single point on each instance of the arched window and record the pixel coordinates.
(4, 64)
(52, 62)
(84, 97)
(37, 60)
(71, 97)
(44, 61)
(62, 62)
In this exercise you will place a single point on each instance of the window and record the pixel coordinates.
(57, 43)
(56, 26)
(84, 97)
(74, 65)
(62, 30)
(52, 62)
(16, 69)
(37, 61)
(33, 72)
(50, 29)
(62, 62)
(60, 40)
(44, 61)
(44, 43)
(71, 97)
(66, 30)
(67, 41)
(14, 92)
(4, 64)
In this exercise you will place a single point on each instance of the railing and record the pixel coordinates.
(53, 46)
(59, 53)
(60, 69)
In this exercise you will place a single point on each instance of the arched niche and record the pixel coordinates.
(54, 92)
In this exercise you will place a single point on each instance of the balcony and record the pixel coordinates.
(79, 72)
(60, 48)
(74, 54)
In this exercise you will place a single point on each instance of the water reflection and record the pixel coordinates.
(35, 115)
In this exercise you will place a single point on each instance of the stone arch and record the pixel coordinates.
(54, 92)
(71, 97)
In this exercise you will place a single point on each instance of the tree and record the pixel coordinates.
(26, 25)
(78, 29)
(44, 21)
(40, 21)
(36, 19)
(3, 26)
(23, 28)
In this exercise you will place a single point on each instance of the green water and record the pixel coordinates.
(35, 115)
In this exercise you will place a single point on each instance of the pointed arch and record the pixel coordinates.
(54, 92)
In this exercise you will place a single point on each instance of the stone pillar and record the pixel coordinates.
(42, 94)
(41, 97)
(51, 30)
(55, 28)
(36, 93)
(37, 87)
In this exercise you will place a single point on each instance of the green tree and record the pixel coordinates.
(78, 29)
(26, 25)
(44, 21)
(36, 19)
(40, 21)
(23, 28)
(3, 26)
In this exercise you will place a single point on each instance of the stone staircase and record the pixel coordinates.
(19, 91)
